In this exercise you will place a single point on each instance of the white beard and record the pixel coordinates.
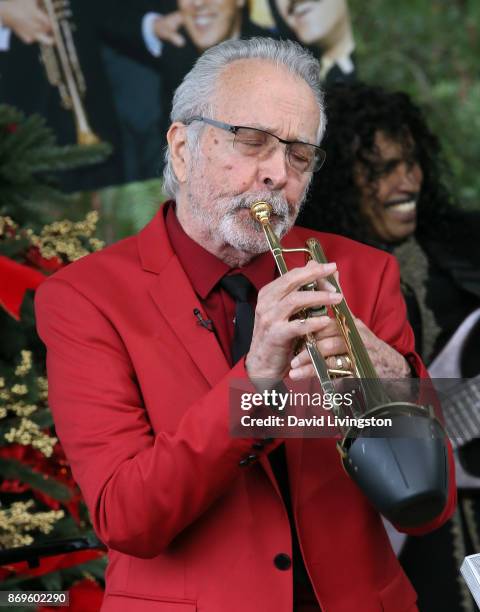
(218, 216)
(246, 234)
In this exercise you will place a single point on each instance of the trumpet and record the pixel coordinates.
(63, 68)
(406, 476)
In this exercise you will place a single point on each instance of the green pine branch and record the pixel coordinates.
(29, 158)
(11, 469)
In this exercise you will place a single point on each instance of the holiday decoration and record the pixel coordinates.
(41, 508)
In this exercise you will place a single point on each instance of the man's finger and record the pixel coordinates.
(296, 302)
(45, 39)
(43, 21)
(175, 19)
(302, 373)
(296, 278)
(328, 347)
(26, 38)
(177, 39)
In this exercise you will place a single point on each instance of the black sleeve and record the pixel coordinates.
(122, 26)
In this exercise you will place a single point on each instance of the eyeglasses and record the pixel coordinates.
(253, 142)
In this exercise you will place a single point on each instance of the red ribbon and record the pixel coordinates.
(15, 280)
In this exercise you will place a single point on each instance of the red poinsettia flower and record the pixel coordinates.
(85, 595)
(54, 467)
(15, 280)
(34, 257)
(51, 564)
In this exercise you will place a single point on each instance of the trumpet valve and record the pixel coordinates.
(313, 286)
(314, 311)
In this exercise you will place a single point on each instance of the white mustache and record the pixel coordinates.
(279, 205)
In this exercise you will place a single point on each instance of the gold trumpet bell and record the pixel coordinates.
(87, 138)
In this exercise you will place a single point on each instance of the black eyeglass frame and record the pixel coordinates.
(319, 157)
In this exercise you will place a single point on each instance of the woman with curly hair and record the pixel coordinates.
(383, 184)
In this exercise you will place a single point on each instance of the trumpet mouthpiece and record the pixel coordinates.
(261, 211)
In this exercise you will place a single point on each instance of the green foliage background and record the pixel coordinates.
(431, 50)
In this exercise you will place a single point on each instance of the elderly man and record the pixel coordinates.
(194, 518)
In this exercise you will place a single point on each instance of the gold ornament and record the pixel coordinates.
(67, 239)
(29, 433)
(7, 226)
(19, 389)
(25, 364)
(16, 522)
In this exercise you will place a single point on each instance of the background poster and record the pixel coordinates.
(133, 55)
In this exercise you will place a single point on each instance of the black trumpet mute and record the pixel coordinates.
(402, 468)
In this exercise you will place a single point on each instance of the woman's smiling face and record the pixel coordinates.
(390, 203)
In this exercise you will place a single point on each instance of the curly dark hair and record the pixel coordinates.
(355, 113)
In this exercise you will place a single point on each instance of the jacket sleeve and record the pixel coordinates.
(390, 323)
(141, 489)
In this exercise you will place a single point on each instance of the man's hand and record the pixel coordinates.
(166, 29)
(27, 20)
(387, 362)
(275, 331)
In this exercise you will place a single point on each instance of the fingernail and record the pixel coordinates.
(330, 267)
(295, 362)
(336, 297)
(330, 287)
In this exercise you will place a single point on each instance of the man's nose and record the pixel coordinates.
(273, 170)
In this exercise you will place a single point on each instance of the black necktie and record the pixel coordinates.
(239, 287)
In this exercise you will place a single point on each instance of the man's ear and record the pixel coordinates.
(177, 143)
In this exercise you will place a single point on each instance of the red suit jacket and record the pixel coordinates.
(139, 393)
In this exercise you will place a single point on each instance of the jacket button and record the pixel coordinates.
(258, 445)
(282, 561)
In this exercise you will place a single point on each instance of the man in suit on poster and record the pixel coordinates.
(171, 35)
(322, 27)
(194, 518)
(24, 83)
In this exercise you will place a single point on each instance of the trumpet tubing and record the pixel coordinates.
(63, 68)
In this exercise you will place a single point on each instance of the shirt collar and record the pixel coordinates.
(205, 270)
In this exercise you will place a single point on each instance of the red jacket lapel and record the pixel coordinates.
(176, 300)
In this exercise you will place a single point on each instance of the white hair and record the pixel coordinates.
(195, 95)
